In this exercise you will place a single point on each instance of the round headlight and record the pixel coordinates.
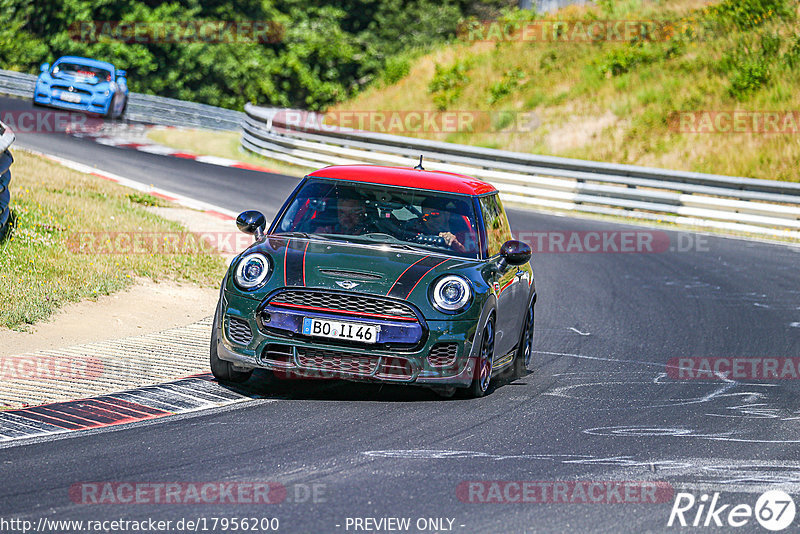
(451, 294)
(252, 271)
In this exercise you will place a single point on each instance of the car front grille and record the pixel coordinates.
(344, 303)
(239, 331)
(278, 355)
(443, 354)
(336, 362)
(396, 368)
(65, 88)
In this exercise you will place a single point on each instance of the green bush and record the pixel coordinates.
(511, 80)
(792, 56)
(397, 68)
(748, 14)
(447, 83)
(621, 60)
(750, 63)
(748, 77)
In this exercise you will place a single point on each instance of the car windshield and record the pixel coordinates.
(401, 217)
(82, 71)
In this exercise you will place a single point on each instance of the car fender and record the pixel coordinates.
(489, 309)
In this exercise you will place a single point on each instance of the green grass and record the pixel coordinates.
(722, 56)
(41, 269)
(147, 200)
(220, 144)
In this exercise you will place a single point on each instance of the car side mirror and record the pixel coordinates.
(252, 222)
(514, 253)
(122, 73)
(45, 67)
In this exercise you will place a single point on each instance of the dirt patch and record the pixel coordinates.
(578, 132)
(146, 307)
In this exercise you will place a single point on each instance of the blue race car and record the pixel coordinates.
(83, 84)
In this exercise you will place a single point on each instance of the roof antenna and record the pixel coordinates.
(419, 166)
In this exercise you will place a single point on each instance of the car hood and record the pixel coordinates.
(376, 268)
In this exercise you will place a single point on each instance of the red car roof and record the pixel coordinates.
(446, 182)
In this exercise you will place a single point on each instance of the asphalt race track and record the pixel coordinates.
(599, 406)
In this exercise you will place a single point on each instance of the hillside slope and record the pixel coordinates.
(629, 99)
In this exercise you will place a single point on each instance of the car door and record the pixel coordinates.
(520, 288)
(505, 282)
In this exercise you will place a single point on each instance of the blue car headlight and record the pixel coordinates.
(451, 294)
(252, 271)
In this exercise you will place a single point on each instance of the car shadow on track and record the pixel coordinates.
(263, 385)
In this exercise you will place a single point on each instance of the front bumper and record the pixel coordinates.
(88, 104)
(440, 355)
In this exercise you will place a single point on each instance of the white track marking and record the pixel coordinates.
(579, 332)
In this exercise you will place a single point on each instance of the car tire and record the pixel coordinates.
(124, 109)
(524, 354)
(483, 365)
(222, 370)
(111, 106)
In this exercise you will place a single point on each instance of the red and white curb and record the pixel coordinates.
(180, 396)
(141, 145)
(177, 198)
(194, 393)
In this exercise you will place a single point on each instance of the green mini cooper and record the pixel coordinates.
(381, 274)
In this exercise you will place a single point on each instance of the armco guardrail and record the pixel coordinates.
(144, 108)
(764, 207)
(6, 138)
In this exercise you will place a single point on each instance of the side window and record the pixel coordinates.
(498, 230)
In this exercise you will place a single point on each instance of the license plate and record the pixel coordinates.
(339, 330)
(70, 97)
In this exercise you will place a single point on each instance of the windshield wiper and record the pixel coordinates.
(380, 236)
(395, 242)
(294, 234)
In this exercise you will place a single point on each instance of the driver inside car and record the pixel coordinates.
(438, 220)
(352, 217)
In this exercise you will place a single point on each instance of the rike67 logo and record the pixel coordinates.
(774, 510)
